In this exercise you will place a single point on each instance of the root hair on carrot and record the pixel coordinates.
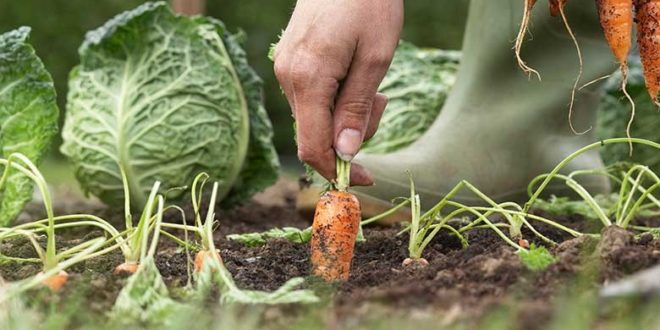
(580, 71)
(529, 4)
(595, 81)
(624, 82)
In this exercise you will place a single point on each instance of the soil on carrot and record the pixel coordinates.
(471, 280)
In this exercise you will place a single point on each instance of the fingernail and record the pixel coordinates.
(348, 143)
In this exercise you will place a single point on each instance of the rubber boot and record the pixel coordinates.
(498, 128)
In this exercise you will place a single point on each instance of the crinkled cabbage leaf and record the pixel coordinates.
(416, 84)
(163, 97)
(28, 115)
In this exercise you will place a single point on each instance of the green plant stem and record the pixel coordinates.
(629, 196)
(207, 238)
(535, 195)
(655, 201)
(385, 214)
(76, 249)
(34, 174)
(159, 220)
(343, 174)
(18, 287)
(537, 218)
(504, 225)
(581, 191)
(626, 220)
(181, 242)
(490, 224)
(140, 235)
(19, 260)
(196, 195)
(642, 228)
(92, 221)
(181, 227)
(456, 232)
(128, 218)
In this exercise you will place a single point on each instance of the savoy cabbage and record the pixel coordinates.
(416, 84)
(162, 97)
(28, 115)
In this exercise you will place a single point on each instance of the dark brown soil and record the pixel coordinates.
(470, 280)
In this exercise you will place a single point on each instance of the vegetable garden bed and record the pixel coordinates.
(460, 285)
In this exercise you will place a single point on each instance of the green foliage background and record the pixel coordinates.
(59, 27)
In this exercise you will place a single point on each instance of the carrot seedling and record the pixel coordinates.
(134, 245)
(634, 195)
(145, 298)
(210, 272)
(53, 274)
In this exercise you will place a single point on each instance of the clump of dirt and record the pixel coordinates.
(621, 254)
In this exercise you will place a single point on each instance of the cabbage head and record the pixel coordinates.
(614, 113)
(416, 84)
(28, 115)
(164, 97)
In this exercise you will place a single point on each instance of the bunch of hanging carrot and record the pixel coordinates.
(616, 18)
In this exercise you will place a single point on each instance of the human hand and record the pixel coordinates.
(330, 60)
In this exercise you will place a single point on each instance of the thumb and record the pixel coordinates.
(353, 108)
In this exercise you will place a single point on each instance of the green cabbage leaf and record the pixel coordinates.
(28, 115)
(161, 97)
(416, 84)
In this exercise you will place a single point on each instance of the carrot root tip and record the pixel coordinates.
(201, 256)
(56, 282)
(523, 243)
(126, 268)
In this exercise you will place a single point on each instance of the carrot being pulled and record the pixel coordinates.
(335, 229)
(648, 39)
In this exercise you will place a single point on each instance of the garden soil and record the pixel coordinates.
(459, 282)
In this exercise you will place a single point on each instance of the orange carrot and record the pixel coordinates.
(201, 256)
(556, 6)
(616, 18)
(57, 281)
(648, 39)
(529, 4)
(523, 243)
(126, 268)
(335, 228)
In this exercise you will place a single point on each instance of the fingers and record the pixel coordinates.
(310, 88)
(360, 176)
(377, 110)
(357, 98)
(325, 44)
